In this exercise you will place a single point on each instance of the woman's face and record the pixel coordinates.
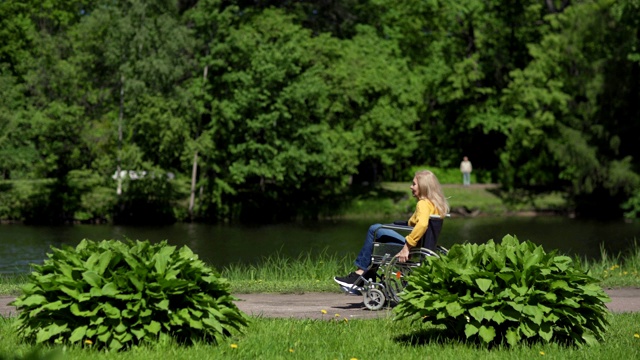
(414, 188)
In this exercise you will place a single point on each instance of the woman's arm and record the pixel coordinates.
(420, 223)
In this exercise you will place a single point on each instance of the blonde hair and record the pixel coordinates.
(429, 188)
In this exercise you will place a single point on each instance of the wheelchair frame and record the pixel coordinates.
(384, 280)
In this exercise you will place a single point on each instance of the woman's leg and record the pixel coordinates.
(375, 232)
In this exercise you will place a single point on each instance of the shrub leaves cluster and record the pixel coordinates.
(116, 294)
(512, 291)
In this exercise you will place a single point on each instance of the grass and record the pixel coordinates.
(340, 338)
(394, 198)
(620, 270)
(313, 273)
(11, 284)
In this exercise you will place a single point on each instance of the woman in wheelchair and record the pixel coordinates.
(431, 201)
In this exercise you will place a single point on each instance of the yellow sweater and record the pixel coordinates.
(420, 220)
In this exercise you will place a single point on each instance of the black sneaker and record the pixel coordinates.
(349, 280)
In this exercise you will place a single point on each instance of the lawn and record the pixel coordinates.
(339, 338)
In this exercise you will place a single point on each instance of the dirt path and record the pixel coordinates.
(310, 305)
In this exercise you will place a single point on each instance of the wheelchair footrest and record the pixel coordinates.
(353, 290)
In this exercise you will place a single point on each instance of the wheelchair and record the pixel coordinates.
(384, 280)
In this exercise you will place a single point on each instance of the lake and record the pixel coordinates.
(221, 245)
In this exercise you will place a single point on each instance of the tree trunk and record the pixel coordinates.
(194, 173)
(194, 169)
(120, 118)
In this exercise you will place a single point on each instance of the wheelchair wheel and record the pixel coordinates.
(374, 299)
(395, 279)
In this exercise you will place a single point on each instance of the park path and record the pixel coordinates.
(311, 305)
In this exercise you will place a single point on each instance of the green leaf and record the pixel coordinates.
(560, 284)
(139, 285)
(498, 317)
(487, 333)
(470, 329)
(162, 258)
(484, 284)
(477, 313)
(589, 339)
(32, 300)
(454, 309)
(71, 292)
(110, 289)
(75, 310)
(78, 334)
(92, 278)
(103, 262)
(153, 327)
(111, 311)
(163, 304)
(48, 332)
(195, 324)
(139, 333)
(546, 331)
(120, 328)
(512, 337)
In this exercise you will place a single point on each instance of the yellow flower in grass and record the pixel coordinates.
(290, 350)
(234, 346)
(323, 311)
(636, 335)
(542, 353)
(88, 342)
(337, 315)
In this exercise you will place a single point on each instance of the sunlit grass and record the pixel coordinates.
(616, 270)
(11, 284)
(335, 337)
(313, 272)
(489, 200)
(278, 273)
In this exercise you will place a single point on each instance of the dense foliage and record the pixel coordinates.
(212, 109)
(114, 294)
(508, 292)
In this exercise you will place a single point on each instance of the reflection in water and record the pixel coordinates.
(221, 245)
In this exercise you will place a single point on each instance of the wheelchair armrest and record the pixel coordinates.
(395, 226)
(401, 222)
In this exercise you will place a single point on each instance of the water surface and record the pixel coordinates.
(221, 245)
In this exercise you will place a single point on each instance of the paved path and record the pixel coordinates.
(310, 305)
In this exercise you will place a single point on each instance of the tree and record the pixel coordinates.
(574, 105)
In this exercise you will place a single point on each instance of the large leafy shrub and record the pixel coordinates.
(511, 291)
(116, 294)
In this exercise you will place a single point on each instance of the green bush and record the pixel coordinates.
(117, 294)
(17, 197)
(511, 291)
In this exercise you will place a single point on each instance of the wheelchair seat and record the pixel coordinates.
(426, 246)
(384, 279)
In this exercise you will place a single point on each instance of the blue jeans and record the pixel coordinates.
(364, 257)
(466, 178)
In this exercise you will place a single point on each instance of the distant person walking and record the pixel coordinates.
(465, 169)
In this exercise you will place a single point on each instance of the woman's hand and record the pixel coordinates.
(403, 255)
